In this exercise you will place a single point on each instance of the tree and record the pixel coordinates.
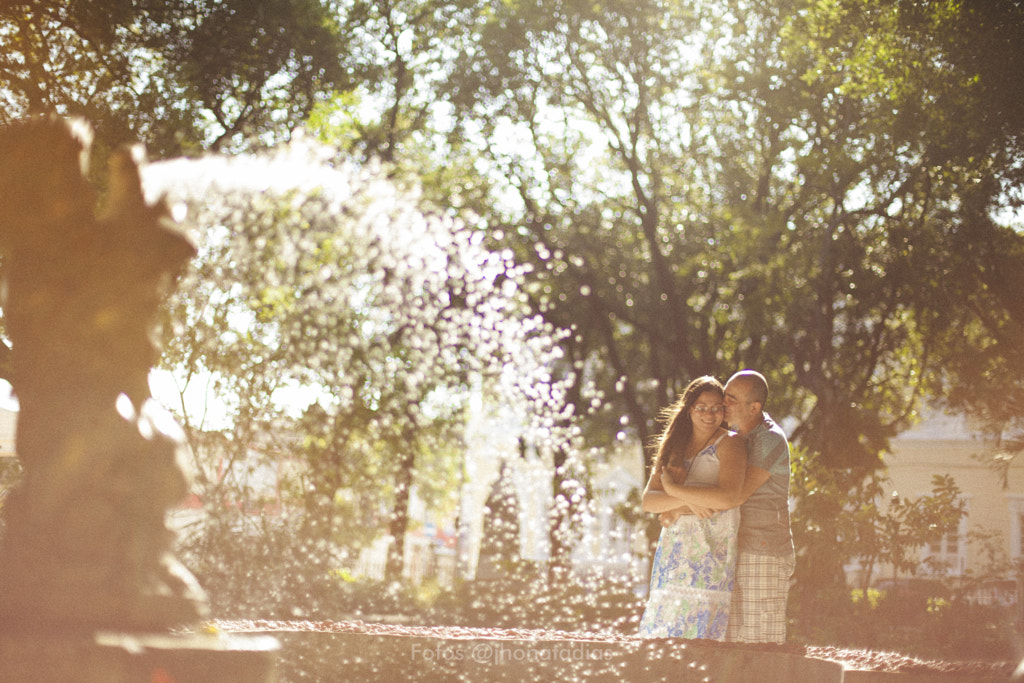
(179, 75)
(701, 187)
(336, 282)
(834, 527)
(565, 97)
(981, 128)
(821, 190)
(406, 49)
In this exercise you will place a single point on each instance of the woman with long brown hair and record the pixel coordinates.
(694, 565)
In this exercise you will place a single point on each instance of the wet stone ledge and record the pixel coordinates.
(112, 657)
(373, 651)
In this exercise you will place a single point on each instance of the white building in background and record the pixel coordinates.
(949, 445)
(8, 424)
(8, 420)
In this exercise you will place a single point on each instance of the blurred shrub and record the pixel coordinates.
(909, 618)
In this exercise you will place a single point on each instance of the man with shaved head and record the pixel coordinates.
(766, 557)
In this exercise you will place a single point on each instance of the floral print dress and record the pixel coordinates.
(694, 566)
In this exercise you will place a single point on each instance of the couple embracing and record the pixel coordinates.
(721, 485)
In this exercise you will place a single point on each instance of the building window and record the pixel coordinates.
(1015, 503)
(942, 555)
(947, 554)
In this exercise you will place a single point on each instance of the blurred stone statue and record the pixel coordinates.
(86, 540)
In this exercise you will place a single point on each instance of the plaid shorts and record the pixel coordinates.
(758, 610)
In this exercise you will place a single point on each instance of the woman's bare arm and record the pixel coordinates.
(732, 459)
(656, 499)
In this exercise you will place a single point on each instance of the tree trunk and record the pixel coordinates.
(399, 519)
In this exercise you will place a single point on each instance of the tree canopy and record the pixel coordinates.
(707, 186)
(825, 190)
(180, 75)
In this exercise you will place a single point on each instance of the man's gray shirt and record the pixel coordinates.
(764, 517)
